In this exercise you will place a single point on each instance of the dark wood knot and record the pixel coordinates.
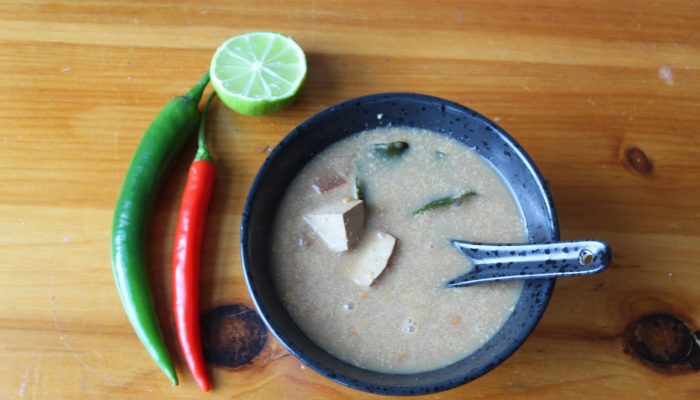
(232, 335)
(664, 342)
(636, 160)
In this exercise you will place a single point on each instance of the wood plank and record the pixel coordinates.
(590, 89)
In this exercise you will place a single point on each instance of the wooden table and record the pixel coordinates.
(605, 96)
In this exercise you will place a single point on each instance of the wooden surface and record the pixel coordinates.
(604, 95)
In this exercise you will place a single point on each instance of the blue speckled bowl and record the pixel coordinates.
(348, 118)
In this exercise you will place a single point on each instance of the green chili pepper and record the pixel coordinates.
(390, 150)
(172, 127)
(359, 191)
(444, 202)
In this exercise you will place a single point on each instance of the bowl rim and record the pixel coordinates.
(548, 284)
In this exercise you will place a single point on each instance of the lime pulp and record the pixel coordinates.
(258, 72)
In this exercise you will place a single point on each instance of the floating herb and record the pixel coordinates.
(440, 155)
(444, 202)
(390, 150)
(359, 191)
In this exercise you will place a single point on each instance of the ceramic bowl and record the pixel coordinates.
(395, 109)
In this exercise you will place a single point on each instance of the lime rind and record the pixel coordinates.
(259, 72)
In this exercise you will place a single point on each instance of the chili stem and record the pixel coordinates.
(195, 94)
(202, 149)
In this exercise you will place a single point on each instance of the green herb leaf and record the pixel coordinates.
(444, 202)
(440, 155)
(359, 191)
(390, 150)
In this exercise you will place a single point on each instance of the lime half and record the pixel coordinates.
(258, 72)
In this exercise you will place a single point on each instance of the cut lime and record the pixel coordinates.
(258, 72)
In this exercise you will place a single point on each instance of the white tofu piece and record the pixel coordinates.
(374, 253)
(340, 225)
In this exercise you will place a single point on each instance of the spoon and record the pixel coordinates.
(505, 262)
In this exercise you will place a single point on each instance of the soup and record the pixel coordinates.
(361, 251)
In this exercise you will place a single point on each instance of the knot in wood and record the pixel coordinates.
(636, 160)
(232, 335)
(664, 342)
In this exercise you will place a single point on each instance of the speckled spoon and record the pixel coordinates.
(505, 262)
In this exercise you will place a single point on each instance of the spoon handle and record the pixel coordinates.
(504, 262)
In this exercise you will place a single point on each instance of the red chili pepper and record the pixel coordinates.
(186, 252)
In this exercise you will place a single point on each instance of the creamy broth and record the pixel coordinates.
(406, 321)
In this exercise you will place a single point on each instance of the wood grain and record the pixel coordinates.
(603, 95)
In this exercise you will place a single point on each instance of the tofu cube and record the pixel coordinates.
(374, 253)
(339, 225)
(325, 184)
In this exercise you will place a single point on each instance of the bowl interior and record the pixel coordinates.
(353, 116)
